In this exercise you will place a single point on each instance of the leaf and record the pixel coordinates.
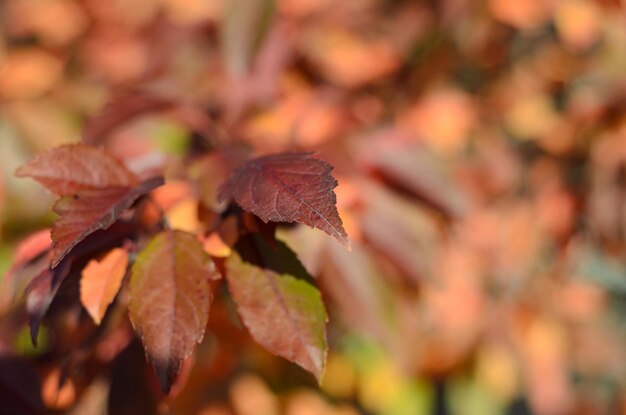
(170, 298)
(43, 288)
(88, 210)
(100, 282)
(283, 314)
(41, 291)
(71, 168)
(289, 187)
(95, 187)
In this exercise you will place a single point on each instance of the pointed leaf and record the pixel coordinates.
(41, 291)
(170, 298)
(88, 210)
(43, 288)
(289, 187)
(100, 282)
(283, 314)
(68, 169)
(96, 188)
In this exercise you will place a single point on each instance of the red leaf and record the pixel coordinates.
(289, 187)
(71, 168)
(40, 292)
(88, 210)
(96, 190)
(284, 314)
(170, 298)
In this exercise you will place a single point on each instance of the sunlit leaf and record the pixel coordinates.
(289, 187)
(101, 281)
(283, 314)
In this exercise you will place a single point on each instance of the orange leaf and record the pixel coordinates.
(100, 282)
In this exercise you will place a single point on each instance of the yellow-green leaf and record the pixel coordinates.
(283, 314)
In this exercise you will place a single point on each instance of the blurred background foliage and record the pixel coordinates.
(480, 148)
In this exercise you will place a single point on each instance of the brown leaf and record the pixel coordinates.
(41, 291)
(89, 210)
(100, 282)
(71, 168)
(170, 299)
(96, 188)
(284, 314)
(288, 187)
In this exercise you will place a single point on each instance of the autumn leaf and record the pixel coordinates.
(71, 168)
(41, 291)
(43, 288)
(89, 210)
(100, 282)
(288, 187)
(95, 187)
(283, 314)
(170, 298)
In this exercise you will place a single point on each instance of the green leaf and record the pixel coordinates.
(283, 314)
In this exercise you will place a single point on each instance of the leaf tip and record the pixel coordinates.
(166, 372)
(34, 331)
(345, 241)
